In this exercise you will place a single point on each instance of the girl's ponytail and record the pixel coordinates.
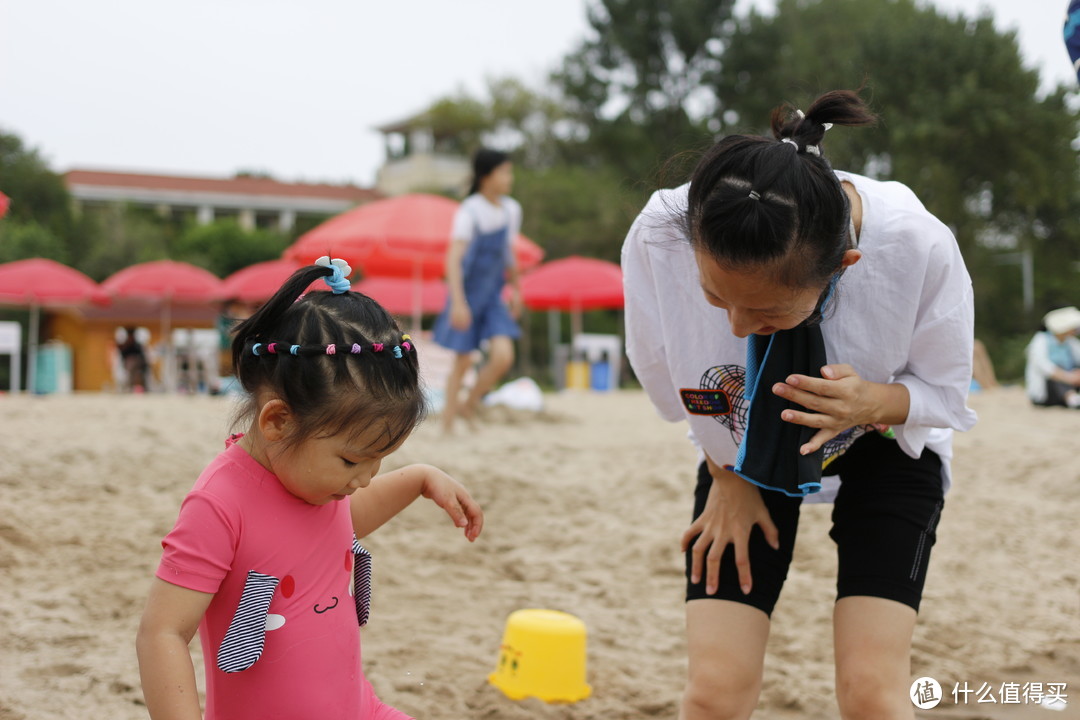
(264, 320)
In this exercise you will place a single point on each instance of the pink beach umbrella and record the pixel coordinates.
(256, 283)
(573, 284)
(166, 283)
(404, 236)
(402, 296)
(38, 283)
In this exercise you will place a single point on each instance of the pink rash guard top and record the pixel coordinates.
(280, 638)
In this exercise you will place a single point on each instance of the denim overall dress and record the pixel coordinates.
(483, 275)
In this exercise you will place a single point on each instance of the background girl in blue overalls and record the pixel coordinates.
(479, 262)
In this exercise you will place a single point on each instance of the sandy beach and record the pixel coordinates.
(584, 503)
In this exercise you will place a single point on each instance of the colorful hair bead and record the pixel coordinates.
(397, 351)
(376, 347)
(355, 350)
(406, 337)
(272, 348)
(255, 348)
(294, 349)
(331, 349)
(406, 345)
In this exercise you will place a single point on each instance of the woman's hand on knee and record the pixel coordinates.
(732, 509)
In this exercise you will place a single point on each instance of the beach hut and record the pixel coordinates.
(38, 283)
(181, 294)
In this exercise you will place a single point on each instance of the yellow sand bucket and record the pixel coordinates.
(542, 655)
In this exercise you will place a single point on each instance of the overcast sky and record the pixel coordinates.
(296, 87)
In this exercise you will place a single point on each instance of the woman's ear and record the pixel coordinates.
(275, 420)
(850, 258)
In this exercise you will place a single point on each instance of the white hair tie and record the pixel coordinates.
(789, 140)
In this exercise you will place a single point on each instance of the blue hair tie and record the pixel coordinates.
(294, 349)
(397, 351)
(340, 272)
(255, 348)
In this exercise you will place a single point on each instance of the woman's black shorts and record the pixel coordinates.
(884, 521)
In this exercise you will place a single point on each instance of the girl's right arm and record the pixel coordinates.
(171, 617)
(460, 314)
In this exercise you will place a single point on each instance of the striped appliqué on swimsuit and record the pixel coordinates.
(361, 581)
(246, 637)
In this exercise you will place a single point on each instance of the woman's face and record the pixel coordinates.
(500, 180)
(755, 303)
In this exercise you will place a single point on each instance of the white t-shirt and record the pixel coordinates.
(904, 313)
(477, 214)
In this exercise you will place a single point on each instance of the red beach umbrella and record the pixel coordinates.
(168, 283)
(37, 283)
(401, 296)
(256, 283)
(573, 284)
(404, 236)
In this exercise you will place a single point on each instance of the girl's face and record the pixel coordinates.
(500, 180)
(755, 304)
(320, 470)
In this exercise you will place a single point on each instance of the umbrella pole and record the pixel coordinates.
(166, 338)
(32, 349)
(416, 292)
(553, 341)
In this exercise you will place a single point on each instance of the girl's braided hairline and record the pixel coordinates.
(284, 348)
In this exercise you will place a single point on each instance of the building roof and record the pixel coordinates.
(247, 186)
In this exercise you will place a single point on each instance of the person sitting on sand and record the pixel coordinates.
(1052, 372)
(264, 558)
(805, 322)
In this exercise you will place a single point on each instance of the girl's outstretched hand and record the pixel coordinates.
(451, 496)
(839, 400)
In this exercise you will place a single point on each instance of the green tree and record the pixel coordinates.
(117, 236)
(963, 125)
(40, 204)
(21, 240)
(636, 87)
(573, 210)
(223, 247)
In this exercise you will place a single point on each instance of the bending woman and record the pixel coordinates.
(803, 321)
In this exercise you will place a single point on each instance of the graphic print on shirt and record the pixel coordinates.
(245, 639)
(724, 399)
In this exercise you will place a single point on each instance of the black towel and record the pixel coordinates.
(769, 452)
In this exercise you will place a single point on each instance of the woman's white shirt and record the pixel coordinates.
(904, 313)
